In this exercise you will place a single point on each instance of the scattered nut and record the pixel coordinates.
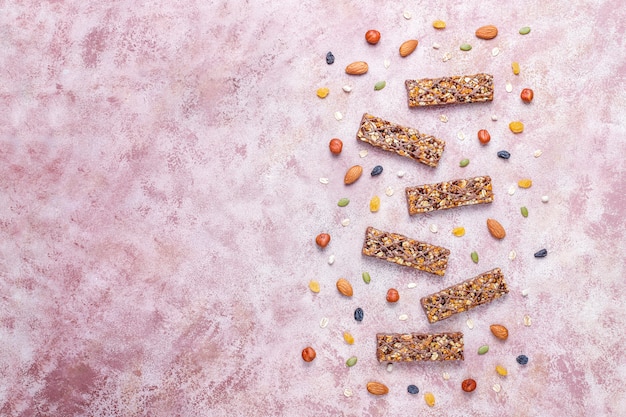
(468, 385)
(344, 287)
(357, 68)
(392, 295)
(353, 174)
(308, 354)
(322, 240)
(377, 388)
(499, 331)
(335, 145)
(487, 32)
(372, 36)
(408, 47)
(496, 229)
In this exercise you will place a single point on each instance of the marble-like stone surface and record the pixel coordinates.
(160, 195)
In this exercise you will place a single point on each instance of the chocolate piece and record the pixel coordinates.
(450, 90)
(402, 250)
(404, 141)
(410, 347)
(464, 296)
(449, 194)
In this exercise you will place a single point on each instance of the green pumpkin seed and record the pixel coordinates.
(524, 31)
(483, 349)
(343, 202)
(464, 162)
(466, 47)
(475, 257)
(380, 85)
(351, 361)
(524, 211)
(366, 277)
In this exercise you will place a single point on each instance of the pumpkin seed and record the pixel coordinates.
(483, 349)
(524, 211)
(464, 163)
(351, 361)
(466, 47)
(524, 31)
(366, 277)
(380, 85)
(343, 202)
(475, 257)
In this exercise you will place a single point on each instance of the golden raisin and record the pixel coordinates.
(430, 399)
(314, 286)
(515, 67)
(439, 24)
(501, 370)
(525, 183)
(458, 231)
(348, 338)
(374, 204)
(322, 92)
(516, 127)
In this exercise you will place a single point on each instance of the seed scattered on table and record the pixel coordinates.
(335, 145)
(542, 253)
(363, 153)
(330, 58)
(446, 57)
(522, 359)
(389, 191)
(433, 228)
(524, 211)
(412, 389)
(343, 202)
(524, 31)
(389, 367)
(338, 115)
(512, 255)
(351, 361)
(525, 183)
(483, 349)
(411, 285)
(400, 174)
(527, 320)
(460, 135)
(347, 392)
(380, 85)
(525, 292)
(366, 277)
(494, 117)
(443, 118)
(468, 385)
(496, 387)
(308, 354)
(545, 199)
(324, 322)
(495, 51)
(347, 88)
(387, 63)
(464, 162)
(511, 189)
(474, 256)
(470, 323)
(436, 45)
(439, 24)
(331, 259)
(324, 180)
(406, 14)
(345, 222)
(466, 47)
(508, 87)
(403, 317)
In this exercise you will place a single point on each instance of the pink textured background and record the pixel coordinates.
(159, 186)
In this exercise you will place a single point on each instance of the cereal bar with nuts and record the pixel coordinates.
(449, 194)
(394, 247)
(411, 347)
(464, 296)
(450, 90)
(405, 141)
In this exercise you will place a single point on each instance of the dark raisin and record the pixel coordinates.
(522, 359)
(541, 253)
(358, 314)
(504, 155)
(412, 389)
(377, 170)
(330, 58)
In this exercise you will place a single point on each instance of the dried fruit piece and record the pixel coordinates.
(366, 277)
(524, 31)
(322, 92)
(504, 154)
(522, 359)
(377, 170)
(487, 32)
(308, 354)
(335, 145)
(468, 385)
(439, 24)
(515, 67)
(408, 47)
(483, 136)
(495, 229)
(527, 95)
(353, 174)
(322, 240)
(501, 370)
(351, 361)
(525, 183)
(483, 349)
(314, 286)
(375, 204)
(458, 231)
(348, 338)
(429, 397)
(380, 85)
(357, 68)
(466, 47)
(377, 388)
(412, 389)
(358, 314)
(330, 58)
(392, 295)
(344, 287)
(372, 36)
(541, 253)
(516, 127)
(499, 331)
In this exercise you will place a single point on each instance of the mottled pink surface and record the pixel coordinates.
(160, 196)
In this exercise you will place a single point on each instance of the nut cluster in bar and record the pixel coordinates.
(410, 347)
(394, 247)
(404, 141)
(450, 90)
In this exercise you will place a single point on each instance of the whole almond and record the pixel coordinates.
(357, 68)
(353, 174)
(408, 47)
(344, 287)
(487, 32)
(499, 331)
(495, 229)
(377, 388)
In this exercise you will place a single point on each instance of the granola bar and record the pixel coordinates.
(410, 347)
(450, 90)
(394, 247)
(464, 296)
(449, 194)
(405, 141)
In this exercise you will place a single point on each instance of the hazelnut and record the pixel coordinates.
(483, 136)
(392, 295)
(372, 36)
(527, 95)
(308, 354)
(335, 145)
(468, 385)
(322, 240)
